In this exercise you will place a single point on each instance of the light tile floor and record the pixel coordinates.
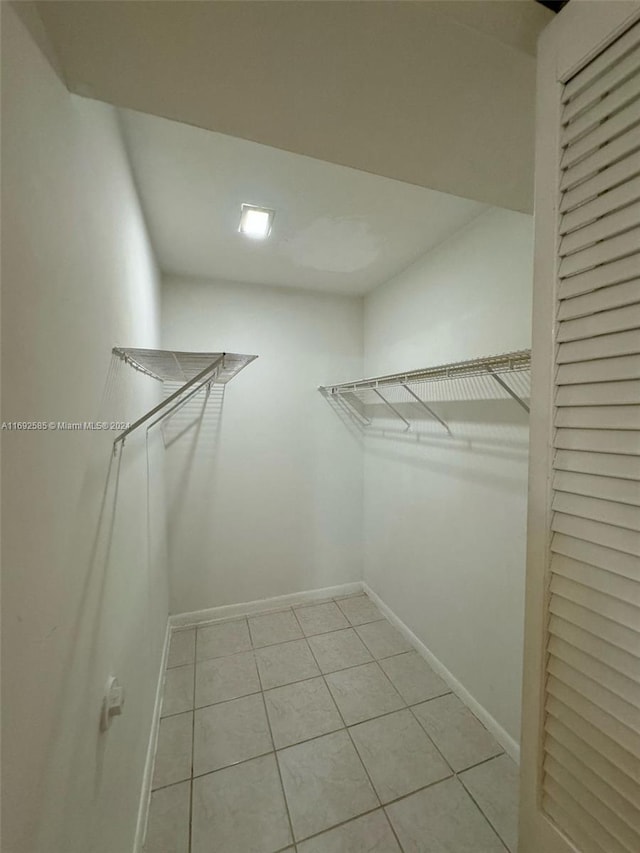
(319, 729)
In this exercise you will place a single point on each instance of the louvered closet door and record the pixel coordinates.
(589, 740)
(591, 779)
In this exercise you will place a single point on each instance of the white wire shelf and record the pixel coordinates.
(498, 367)
(196, 370)
(175, 366)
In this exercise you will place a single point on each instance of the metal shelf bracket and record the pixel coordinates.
(199, 380)
(393, 408)
(495, 366)
(427, 408)
(508, 389)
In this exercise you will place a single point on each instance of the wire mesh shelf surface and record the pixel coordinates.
(175, 366)
(507, 363)
(195, 370)
(479, 378)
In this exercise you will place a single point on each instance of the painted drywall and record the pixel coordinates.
(444, 518)
(84, 591)
(265, 490)
(337, 230)
(419, 92)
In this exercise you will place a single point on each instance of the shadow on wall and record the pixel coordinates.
(200, 418)
(123, 551)
(478, 414)
(192, 435)
(353, 421)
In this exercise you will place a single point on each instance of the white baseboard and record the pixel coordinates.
(279, 602)
(145, 792)
(509, 744)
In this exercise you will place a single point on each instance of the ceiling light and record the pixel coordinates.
(255, 221)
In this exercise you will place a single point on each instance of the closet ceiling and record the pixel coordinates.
(438, 94)
(336, 229)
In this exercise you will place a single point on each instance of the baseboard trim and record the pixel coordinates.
(278, 602)
(509, 744)
(145, 791)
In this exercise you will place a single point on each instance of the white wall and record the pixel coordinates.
(266, 497)
(84, 574)
(444, 518)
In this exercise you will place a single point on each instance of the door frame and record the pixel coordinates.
(582, 30)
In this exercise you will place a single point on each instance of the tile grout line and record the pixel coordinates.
(193, 740)
(480, 763)
(341, 824)
(317, 737)
(274, 751)
(454, 773)
(273, 744)
(457, 773)
(208, 623)
(373, 787)
(197, 627)
(477, 805)
(310, 678)
(406, 707)
(421, 724)
(299, 680)
(226, 654)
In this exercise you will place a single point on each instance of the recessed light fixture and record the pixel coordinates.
(255, 221)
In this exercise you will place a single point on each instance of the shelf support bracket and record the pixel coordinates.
(508, 389)
(393, 408)
(201, 379)
(427, 408)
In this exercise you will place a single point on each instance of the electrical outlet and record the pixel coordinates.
(112, 704)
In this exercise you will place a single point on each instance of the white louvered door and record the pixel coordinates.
(581, 716)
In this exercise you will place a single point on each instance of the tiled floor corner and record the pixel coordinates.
(319, 729)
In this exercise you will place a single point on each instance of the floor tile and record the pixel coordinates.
(363, 692)
(230, 732)
(382, 639)
(285, 663)
(173, 753)
(442, 819)
(168, 826)
(225, 638)
(339, 650)
(413, 678)
(178, 690)
(320, 618)
(274, 628)
(226, 678)
(398, 755)
(240, 810)
(370, 833)
(494, 786)
(301, 711)
(359, 609)
(182, 647)
(325, 783)
(457, 733)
